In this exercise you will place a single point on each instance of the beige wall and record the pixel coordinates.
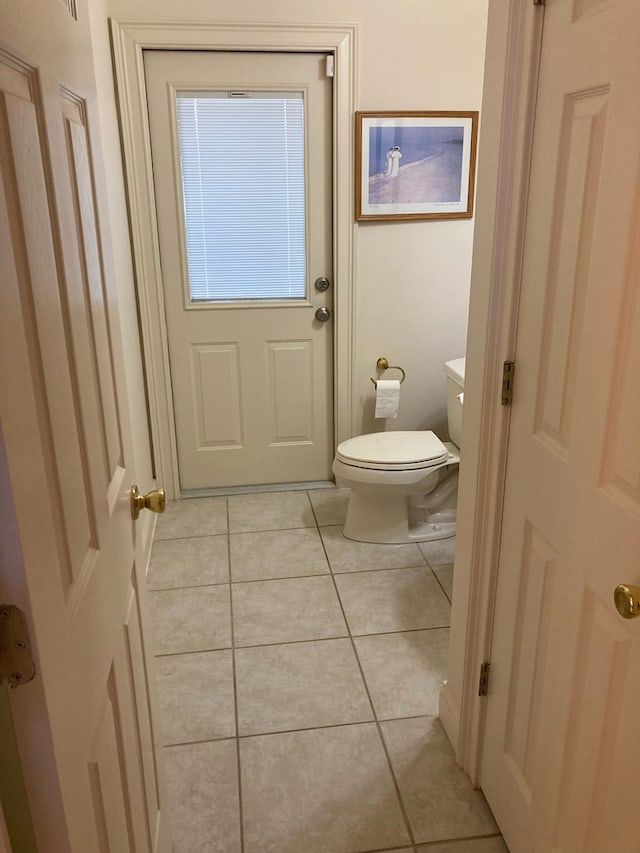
(411, 278)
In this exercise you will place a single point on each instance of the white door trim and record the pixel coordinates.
(513, 47)
(129, 41)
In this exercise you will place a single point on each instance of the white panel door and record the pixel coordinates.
(562, 741)
(252, 377)
(84, 725)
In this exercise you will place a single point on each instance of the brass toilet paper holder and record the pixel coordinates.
(383, 364)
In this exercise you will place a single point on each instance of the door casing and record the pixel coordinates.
(129, 41)
(513, 44)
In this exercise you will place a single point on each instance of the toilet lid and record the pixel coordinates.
(393, 451)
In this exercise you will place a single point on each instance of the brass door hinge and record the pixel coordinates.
(508, 370)
(16, 661)
(483, 686)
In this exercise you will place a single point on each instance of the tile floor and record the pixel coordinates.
(298, 676)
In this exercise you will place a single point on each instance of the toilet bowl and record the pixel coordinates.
(404, 484)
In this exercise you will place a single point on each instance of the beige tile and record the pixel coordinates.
(195, 693)
(277, 554)
(202, 780)
(282, 611)
(191, 620)
(188, 562)
(445, 576)
(192, 517)
(394, 600)
(329, 505)
(299, 686)
(438, 796)
(474, 845)
(319, 791)
(404, 672)
(269, 511)
(440, 552)
(345, 555)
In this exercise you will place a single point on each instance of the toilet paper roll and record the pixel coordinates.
(387, 398)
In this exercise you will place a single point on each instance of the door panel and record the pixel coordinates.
(65, 428)
(561, 746)
(251, 380)
(290, 367)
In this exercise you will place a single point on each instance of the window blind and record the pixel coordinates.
(242, 162)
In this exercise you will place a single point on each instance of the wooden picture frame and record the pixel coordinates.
(415, 165)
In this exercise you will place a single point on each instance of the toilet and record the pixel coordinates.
(404, 484)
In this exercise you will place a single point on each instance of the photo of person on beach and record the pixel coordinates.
(415, 164)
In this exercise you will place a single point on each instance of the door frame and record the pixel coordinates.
(514, 38)
(129, 40)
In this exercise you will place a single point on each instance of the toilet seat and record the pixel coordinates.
(408, 450)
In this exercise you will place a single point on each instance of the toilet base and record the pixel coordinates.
(385, 520)
(429, 531)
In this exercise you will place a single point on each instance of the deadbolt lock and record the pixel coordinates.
(154, 500)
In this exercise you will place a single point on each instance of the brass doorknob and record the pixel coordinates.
(627, 600)
(154, 500)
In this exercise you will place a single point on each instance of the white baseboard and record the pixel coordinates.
(449, 713)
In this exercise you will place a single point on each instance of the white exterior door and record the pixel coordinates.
(251, 368)
(84, 724)
(562, 742)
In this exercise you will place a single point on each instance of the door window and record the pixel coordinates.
(242, 161)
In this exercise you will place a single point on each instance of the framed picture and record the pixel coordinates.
(415, 165)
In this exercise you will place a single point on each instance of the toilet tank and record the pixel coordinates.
(454, 371)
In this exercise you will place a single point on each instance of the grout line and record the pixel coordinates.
(198, 586)
(404, 631)
(235, 689)
(435, 574)
(259, 489)
(340, 638)
(368, 722)
(186, 586)
(157, 539)
(193, 652)
(345, 636)
(370, 569)
(180, 537)
(285, 578)
(403, 810)
(393, 849)
(298, 577)
(200, 741)
(461, 839)
(230, 532)
(272, 530)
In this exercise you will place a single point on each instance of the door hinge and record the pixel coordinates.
(508, 369)
(483, 686)
(16, 661)
(539, 2)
